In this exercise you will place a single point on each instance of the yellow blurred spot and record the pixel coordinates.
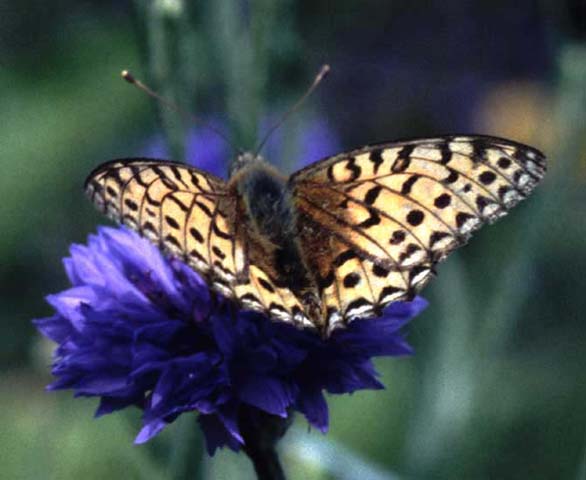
(519, 110)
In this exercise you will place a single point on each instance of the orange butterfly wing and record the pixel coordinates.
(373, 222)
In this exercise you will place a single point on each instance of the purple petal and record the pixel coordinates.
(216, 434)
(56, 328)
(149, 431)
(269, 394)
(313, 405)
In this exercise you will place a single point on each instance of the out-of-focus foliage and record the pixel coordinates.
(497, 386)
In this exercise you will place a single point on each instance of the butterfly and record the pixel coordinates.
(339, 239)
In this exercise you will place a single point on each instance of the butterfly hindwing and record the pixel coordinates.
(192, 215)
(394, 210)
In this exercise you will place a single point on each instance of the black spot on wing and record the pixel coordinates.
(197, 255)
(357, 306)
(379, 271)
(487, 177)
(479, 148)
(376, 158)
(220, 233)
(443, 200)
(388, 293)
(437, 237)
(171, 222)
(204, 208)
(403, 159)
(446, 153)
(353, 168)
(178, 202)
(196, 235)
(131, 204)
(173, 241)
(111, 191)
(410, 250)
(343, 257)
(266, 285)
(397, 237)
(451, 178)
(462, 218)
(372, 195)
(351, 280)
(218, 252)
(408, 184)
(415, 217)
(372, 220)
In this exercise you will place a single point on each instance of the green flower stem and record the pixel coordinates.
(261, 432)
(266, 463)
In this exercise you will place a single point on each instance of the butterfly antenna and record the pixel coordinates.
(126, 75)
(324, 70)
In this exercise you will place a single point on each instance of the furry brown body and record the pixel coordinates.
(268, 205)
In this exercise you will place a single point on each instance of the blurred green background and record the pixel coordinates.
(497, 388)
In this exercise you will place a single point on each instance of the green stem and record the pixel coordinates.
(266, 464)
(261, 432)
(165, 28)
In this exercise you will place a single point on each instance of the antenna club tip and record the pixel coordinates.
(325, 69)
(126, 75)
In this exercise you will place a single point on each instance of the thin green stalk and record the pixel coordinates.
(261, 433)
(242, 34)
(165, 30)
(230, 33)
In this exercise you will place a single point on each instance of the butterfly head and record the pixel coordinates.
(245, 159)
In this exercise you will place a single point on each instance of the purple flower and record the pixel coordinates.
(138, 329)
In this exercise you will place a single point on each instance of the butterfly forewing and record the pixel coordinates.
(390, 212)
(191, 215)
(172, 205)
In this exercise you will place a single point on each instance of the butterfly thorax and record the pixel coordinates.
(271, 217)
(263, 191)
